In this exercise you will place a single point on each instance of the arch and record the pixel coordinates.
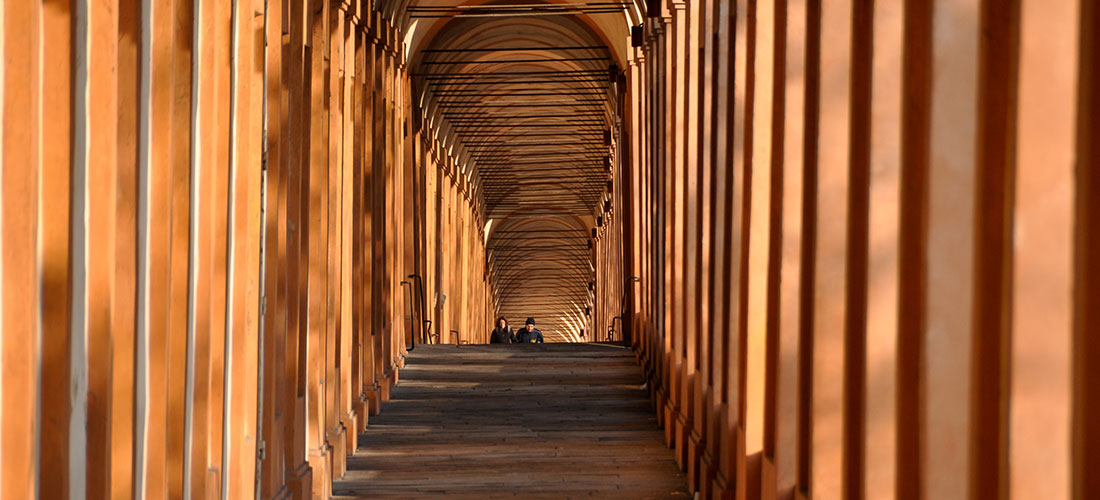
(541, 267)
(532, 102)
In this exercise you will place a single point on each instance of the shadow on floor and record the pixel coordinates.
(519, 421)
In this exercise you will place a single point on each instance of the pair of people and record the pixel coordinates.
(526, 335)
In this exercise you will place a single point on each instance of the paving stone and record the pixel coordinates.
(527, 421)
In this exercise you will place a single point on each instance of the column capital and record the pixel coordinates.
(657, 27)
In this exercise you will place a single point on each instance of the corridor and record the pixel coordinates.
(528, 421)
(777, 249)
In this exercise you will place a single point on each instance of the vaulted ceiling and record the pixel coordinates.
(526, 93)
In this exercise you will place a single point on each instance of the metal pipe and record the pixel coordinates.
(427, 326)
(412, 337)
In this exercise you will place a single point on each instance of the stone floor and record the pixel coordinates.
(515, 421)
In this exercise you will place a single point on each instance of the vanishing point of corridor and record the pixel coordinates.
(776, 249)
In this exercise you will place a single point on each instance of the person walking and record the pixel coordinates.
(502, 334)
(529, 334)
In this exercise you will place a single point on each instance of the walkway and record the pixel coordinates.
(526, 421)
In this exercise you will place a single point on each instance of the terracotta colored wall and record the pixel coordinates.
(901, 243)
(865, 235)
(454, 238)
(206, 223)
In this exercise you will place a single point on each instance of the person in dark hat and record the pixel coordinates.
(529, 334)
(502, 334)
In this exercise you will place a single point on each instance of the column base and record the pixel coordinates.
(767, 477)
(658, 400)
(683, 437)
(213, 480)
(722, 489)
(708, 468)
(350, 420)
(362, 412)
(670, 417)
(320, 461)
(730, 469)
(385, 387)
(337, 444)
(694, 462)
(753, 474)
(707, 474)
(374, 399)
(672, 411)
(282, 494)
(701, 418)
(299, 484)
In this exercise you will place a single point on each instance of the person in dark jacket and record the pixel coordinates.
(529, 334)
(502, 334)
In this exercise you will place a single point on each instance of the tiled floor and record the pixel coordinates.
(515, 421)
